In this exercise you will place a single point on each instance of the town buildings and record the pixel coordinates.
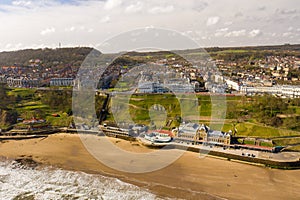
(277, 75)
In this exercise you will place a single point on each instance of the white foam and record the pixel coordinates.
(58, 184)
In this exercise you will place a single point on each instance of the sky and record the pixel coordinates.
(46, 23)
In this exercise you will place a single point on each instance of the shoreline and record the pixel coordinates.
(160, 190)
(189, 177)
(276, 160)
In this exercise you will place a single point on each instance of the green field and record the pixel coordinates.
(162, 110)
(294, 148)
(22, 92)
(139, 106)
(31, 103)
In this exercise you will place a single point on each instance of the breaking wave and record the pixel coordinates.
(18, 181)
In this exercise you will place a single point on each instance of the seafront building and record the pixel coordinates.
(187, 132)
(192, 132)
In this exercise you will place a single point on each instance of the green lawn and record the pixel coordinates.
(294, 148)
(137, 108)
(29, 103)
(297, 109)
(34, 107)
(257, 130)
(63, 121)
(22, 92)
(287, 141)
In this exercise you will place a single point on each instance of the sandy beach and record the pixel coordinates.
(190, 177)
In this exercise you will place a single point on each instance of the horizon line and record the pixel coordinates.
(206, 47)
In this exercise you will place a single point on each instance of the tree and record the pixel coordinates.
(58, 99)
(267, 108)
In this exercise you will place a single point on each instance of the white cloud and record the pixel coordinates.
(149, 27)
(286, 11)
(18, 46)
(287, 34)
(70, 29)
(133, 8)
(255, 32)
(22, 3)
(79, 28)
(161, 10)
(18, 5)
(221, 32)
(199, 5)
(110, 4)
(108, 17)
(262, 8)
(236, 33)
(8, 46)
(212, 21)
(228, 23)
(188, 33)
(238, 14)
(48, 31)
(105, 19)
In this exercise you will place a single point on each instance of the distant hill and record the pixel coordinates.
(286, 47)
(47, 57)
(247, 52)
(228, 53)
(75, 56)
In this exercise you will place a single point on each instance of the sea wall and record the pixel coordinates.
(265, 162)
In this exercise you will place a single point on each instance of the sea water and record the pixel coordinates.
(21, 182)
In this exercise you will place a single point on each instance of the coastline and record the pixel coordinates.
(190, 177)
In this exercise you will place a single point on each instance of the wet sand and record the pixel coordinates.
(190, 177)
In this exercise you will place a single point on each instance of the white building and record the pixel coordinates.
(202, 134)
(288, 91)
(22, 82)
(62, 82)
(232, 85)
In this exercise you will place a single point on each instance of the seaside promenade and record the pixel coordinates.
(281, 160)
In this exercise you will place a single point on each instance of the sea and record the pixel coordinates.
(21, 182)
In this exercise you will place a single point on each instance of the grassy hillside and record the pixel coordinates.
(62, 56)
(166, 110)
(245, 121)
